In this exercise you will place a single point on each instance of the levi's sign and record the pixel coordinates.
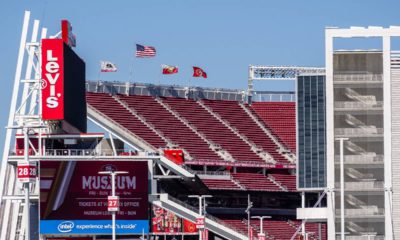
(52, 79)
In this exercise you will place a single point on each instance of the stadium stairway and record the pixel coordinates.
(96, 114)
(104, 110)
(282, 149)
(213, 129)
(165, 122)
(214, 147)
(257, 150)
(280, 119)
(170, 144)
(183, 210)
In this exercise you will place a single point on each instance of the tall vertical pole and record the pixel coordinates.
(303, 205)
(387, 133)
(330, 153)
(200, 213)
(342, 189)
(113, 213)
(261, 234)
(250, 86)
(200, 197)
(27, 205)
(9, 131)
(112, 174)
(248, 215)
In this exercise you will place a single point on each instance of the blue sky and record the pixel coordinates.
(221, 36)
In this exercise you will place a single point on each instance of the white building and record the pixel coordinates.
(363, 133)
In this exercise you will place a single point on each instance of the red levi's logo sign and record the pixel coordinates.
(52, 79)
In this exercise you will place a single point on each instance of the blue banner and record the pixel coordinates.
(93, 227)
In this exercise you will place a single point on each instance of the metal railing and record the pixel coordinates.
(362, 186)
(191, 92)
(363, 237)
(211, 217)
(358, 105)
(146, 89)
(212, 173)
(361, 159)
(84, 152)
(364, 212)
(365, 131)
(357, 78)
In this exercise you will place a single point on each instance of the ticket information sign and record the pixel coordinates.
(74, 197)
(26, 172)
(113, 203)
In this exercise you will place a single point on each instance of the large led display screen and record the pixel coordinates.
(73, 197)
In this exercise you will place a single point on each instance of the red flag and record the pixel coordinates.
(198, 72)
(169, 69)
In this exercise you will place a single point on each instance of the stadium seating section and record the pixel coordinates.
(276, 229)
(280, 118)
(172, 128)
(193, 124)
(108, 106)
(221, 184)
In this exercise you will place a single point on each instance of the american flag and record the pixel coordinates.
(145, 51)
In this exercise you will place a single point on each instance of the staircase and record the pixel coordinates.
(282, 149)
(272, 179)
(188, 212)
(260, 153)
(133, 140)
(170, 144)
(214, 147)
(119, 130)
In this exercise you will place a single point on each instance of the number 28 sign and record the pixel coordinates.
(26, 172)
(113, 203)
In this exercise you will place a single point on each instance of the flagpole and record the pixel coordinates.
(131, 70)
(159, 74)
(98, 75)
(98, 79)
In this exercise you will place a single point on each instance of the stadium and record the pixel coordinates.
(181, 162)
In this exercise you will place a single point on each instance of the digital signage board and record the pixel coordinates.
(74, 197)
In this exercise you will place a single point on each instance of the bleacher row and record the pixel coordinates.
(253, 182)
(275, 229)
(167, 126)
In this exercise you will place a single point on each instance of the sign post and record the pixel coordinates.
(114, 200)
(200, 222)
(261, 235)
(27, 184)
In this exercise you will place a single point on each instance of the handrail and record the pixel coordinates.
(83, 152)
(119, 125)
(305, 220)
(213, 218)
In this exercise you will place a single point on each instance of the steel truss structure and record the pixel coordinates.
(265, 73)
(25, 120)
